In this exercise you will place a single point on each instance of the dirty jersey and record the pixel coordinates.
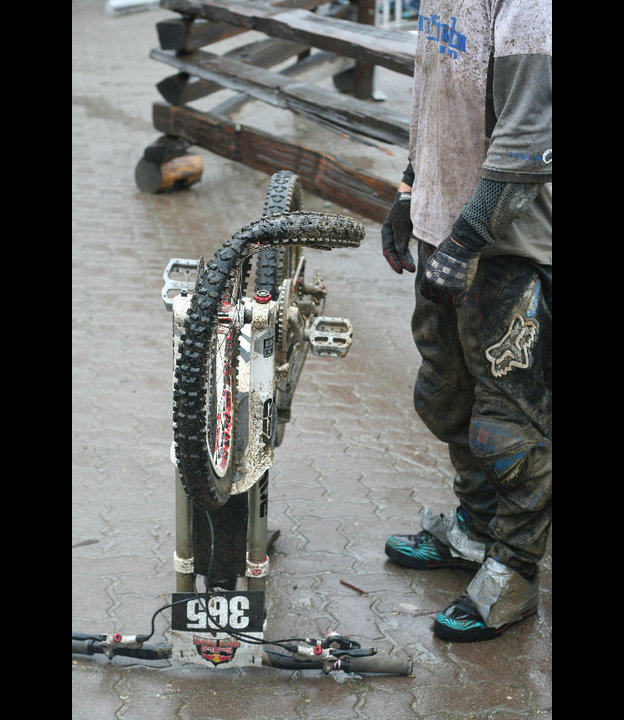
(482, 107)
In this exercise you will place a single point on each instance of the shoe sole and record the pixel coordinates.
(417, 564)
(477, 635)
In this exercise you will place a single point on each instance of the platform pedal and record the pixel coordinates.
(330, 336)
(180, 276)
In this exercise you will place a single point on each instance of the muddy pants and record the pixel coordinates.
(484, 388)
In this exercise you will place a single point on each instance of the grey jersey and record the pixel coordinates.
(482, 107)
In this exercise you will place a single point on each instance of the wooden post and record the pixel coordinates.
(364, 72)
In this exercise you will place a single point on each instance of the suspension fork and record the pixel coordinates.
(257, 556)
(261, 419)
(258, 380)
(183, 560)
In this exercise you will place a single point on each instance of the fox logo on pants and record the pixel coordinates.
(513, 351)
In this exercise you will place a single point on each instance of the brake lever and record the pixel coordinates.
(354, 652)
(332, 646)
(117, 641)
(340, 645)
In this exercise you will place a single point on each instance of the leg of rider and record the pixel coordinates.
(505, 327)
(476, 494)
(444, 399)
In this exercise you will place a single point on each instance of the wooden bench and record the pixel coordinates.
(347, 46)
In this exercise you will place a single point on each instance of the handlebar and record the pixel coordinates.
(83, 644)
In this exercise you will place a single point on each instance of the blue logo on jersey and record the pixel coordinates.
(451, 42)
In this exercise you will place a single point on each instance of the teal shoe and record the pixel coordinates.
(461, 622)
(423, 552)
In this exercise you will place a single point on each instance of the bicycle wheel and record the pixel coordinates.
(205, 387)
(205, 415)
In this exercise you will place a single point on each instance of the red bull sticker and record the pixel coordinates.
(217, 651)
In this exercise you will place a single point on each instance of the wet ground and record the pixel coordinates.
(356, 463)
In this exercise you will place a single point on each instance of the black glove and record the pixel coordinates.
(451, 269)
(489, 212)
(396, 233)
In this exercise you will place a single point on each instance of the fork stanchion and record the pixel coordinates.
(183, 558)
(257, 558)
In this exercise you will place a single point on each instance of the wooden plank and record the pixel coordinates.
(367, 195)
(344, 113)
(311, 68)
(187, 33)
(184, 88)
(184, 34)
(393, 49)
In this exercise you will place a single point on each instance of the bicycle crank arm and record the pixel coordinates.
(330, 336)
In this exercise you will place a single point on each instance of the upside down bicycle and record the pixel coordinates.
(237, 360)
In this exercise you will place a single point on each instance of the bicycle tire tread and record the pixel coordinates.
(284, 194)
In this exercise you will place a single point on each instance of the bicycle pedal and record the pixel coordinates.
(330, 336)
(180, 276)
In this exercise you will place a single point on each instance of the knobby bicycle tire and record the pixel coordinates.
(284, 194)
(204, 421)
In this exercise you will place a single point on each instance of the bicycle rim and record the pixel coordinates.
(221, 394)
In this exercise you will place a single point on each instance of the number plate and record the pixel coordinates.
(228, 611)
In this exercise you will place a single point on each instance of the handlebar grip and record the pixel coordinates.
(83, 647)
(377, 664)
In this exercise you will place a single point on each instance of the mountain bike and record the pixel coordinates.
(237, 360)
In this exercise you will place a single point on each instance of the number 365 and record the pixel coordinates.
(221, 613)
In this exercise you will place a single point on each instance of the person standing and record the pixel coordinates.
(476, 201)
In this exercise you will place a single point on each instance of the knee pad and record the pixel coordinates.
(501, 447)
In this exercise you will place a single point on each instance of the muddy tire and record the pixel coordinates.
(284, 194)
